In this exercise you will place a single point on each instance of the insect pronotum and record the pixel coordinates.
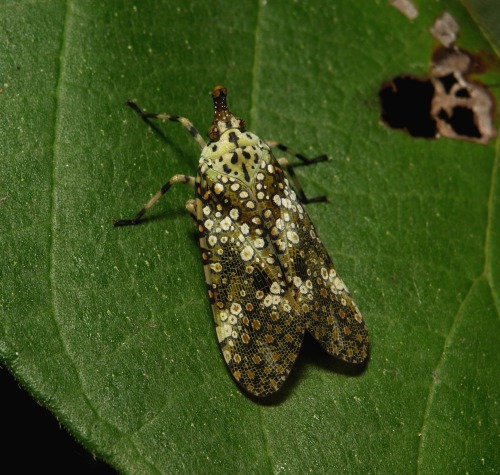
(269, 277)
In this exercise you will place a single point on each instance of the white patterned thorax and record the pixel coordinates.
(236, 154)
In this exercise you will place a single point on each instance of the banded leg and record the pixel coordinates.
(291, 151)
(183, 179)
(291, 173)
(145, 116)
(191, 208)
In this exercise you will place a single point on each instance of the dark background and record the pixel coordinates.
(34, 441)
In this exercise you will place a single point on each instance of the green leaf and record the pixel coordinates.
(111, 329)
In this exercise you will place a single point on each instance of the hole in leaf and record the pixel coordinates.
(462, 93)
(406, 104)
(448, 81)
(447, 103)
(462, 121)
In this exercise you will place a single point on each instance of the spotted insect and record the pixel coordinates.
(269, 277)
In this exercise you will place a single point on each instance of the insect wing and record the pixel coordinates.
(331, 315)
(258, 323)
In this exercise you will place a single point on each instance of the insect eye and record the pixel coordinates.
(213, 133)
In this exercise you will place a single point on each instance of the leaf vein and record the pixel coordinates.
(52, 265)
(437, 370)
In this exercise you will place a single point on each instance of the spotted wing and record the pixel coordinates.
(258, 323)
(331, 315)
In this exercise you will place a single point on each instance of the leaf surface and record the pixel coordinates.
(111, 328)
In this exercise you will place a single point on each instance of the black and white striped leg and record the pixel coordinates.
(164, 117)
(291, 151)
(288, 167)
(183, 179)
(191, 207)
(291, 173)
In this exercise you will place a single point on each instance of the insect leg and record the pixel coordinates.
(145, 116)
(191, 207)
(296, 184)
(291, 173)
(291, 151)
(183, 179)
